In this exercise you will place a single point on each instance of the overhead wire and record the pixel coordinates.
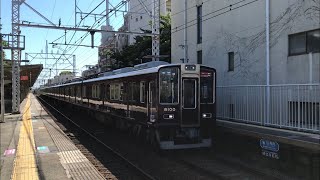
(95, 39)
(65, 50)
(120, 21)
(120, 5)
(229, 6)
(174, 30)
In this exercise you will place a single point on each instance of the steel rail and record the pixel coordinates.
(142, 172)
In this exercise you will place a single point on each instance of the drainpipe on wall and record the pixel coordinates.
(185, 32)
(268, 60)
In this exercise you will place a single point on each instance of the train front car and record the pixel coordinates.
(186, 111)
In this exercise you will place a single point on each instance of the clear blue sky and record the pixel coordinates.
(54, 10)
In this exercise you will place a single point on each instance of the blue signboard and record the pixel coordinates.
(269, 145)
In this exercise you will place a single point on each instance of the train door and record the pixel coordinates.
(151, 102)
(190, 105)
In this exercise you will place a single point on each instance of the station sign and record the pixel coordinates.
(270, 148)
(269, 145)
(24, 78)
(270, 154)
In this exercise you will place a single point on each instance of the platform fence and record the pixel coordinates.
(291, 106)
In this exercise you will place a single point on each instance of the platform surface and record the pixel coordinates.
(34, 147)
(301, 139)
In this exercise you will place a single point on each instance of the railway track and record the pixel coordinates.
(147, 164)
(118, 167)
(220, 167)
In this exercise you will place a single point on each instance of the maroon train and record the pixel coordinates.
(171, 105)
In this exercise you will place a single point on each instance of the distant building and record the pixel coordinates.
(231, 37)
(122, 40)
(106, 37)
(139, 18)
(62, 78)
(107, 44)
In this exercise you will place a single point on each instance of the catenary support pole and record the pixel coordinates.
(156, 30)
(16, 56)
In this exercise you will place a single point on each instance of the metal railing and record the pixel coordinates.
(291, 106)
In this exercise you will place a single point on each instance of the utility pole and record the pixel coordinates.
(2, 72)
(2, 77)
(185, 32)
(45, 60)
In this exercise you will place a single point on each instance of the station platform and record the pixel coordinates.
(279, 151)
(299, 139)
(34, 147)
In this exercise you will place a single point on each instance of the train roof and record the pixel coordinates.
(145, 68)
(141, 69)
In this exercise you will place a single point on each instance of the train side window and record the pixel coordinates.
(71, 91)
(98, 91)
(142, 91)
(93, 91)
(136, 94)
(117, 92)
(79, 91)
(132, 89)
(121, 92)
(107, 92)
(89, 91)
(84, 91)
(112, 91)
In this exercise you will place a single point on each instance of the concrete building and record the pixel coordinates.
(139, 15)
(62, 78)
(230, 35)
(246, 39)
(122, 40)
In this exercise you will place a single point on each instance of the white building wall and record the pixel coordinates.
(61, 78)
(243, 31)
(106, 37)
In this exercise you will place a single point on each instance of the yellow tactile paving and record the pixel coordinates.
(25, 166)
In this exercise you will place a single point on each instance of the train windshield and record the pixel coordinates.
(206, 86)
(169, 85)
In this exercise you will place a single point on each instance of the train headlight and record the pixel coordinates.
(206, 115)
(168, 116)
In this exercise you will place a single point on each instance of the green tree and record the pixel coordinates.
(4, 44)
(65, 73)
(133, 54)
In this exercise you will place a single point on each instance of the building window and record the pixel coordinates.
(199, 24)
(140, 17)
(231, 61)
(136, 19)
(199, 57)
(305, 42)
